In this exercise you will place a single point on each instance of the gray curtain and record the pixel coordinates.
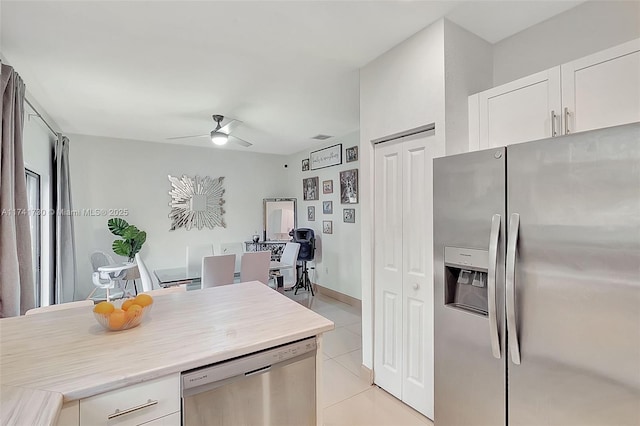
(17, 291)
(65, 250)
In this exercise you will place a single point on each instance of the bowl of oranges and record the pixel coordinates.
(125, 314)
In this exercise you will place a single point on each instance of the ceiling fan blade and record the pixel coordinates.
(186, 137)
(239, 141)
(230, 126)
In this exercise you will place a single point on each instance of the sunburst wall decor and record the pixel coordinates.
(196, 202)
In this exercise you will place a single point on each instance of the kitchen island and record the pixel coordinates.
(55, 359)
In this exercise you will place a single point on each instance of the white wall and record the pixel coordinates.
(337, 261)
(468, 69)
(111, 173)
(585, 29)
(400, 90)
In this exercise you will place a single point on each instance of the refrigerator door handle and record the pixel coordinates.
(510, 290)
(491, 285)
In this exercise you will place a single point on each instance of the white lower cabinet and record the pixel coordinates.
(156, 402)
(170, 420)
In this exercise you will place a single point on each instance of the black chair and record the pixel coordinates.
(307, 240)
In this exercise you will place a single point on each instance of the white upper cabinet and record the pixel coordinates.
(603, 89)
(600, 90)
(519, 111)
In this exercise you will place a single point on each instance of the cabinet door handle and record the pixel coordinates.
(119, 413)
(416, 286)
(553, 124)
(567, 114)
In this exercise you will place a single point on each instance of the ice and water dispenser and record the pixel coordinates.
(466, 279)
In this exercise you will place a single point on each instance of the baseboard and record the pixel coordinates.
(366, 374)
(344, 298)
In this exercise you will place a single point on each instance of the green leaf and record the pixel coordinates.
(121, 247)
(130, 233)
(117, 226)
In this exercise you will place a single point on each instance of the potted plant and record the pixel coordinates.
(132, 238)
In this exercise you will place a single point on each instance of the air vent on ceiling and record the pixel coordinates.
(321, 137)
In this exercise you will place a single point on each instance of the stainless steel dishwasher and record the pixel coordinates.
(275, 386)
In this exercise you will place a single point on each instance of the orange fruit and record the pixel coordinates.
(126, 304)
(134, 311)
(104, 308)
(143, 300)
(117, 319)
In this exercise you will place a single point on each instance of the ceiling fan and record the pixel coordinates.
(221, 134)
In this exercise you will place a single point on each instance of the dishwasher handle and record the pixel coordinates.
(258, 371)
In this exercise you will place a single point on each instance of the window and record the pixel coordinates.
(33, 206)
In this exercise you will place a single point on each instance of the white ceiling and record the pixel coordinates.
(289, 69)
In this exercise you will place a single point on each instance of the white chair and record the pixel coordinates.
(145, 276)
(255, 266)
(99, 258)
(233, 248)
(289, 258)
(59, 307)
(217, 270)
(195, 253)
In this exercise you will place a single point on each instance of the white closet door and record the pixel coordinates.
(388, 270)
(403, 311)
(603, 89)
(521, 110)
(417, 377)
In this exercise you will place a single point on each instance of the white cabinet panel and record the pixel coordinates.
(170, 420)
(520, 111)
(69, 414)
(133, 405)
(602, 90)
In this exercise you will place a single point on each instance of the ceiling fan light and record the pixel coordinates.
(219, 138)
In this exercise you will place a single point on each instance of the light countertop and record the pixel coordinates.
(67, 355)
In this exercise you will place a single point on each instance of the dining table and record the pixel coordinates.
(169, 277)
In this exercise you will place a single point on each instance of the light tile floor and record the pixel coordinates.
(348, 399)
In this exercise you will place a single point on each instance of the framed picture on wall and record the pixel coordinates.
(349, 186)
(305, 165)
(326, 157)
(352, 154)
(327, 227)
(349, 215)
(311, 213)
(327, 186)
(310, 188)
(327, 207)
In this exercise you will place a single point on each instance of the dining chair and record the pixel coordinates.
(254, 266)
(233, 248)
(289, 258)
(60, 307)
(145, 276)
(217, 270)
(195, 253)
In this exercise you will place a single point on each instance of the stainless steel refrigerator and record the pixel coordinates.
(537, 282)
